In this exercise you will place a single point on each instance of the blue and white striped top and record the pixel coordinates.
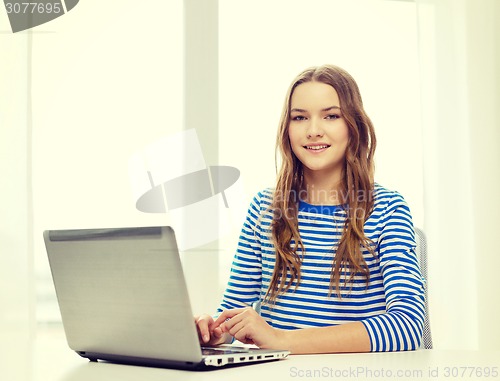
(391, 306)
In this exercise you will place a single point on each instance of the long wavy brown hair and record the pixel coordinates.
(357, 180)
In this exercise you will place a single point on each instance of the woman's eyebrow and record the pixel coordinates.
(323, 110)
(331, 108)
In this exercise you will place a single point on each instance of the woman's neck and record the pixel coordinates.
(323, 190)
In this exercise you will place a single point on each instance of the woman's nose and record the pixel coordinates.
(314, 128)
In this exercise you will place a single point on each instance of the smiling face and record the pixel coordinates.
(317, 131)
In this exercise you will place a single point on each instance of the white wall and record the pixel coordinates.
(17, 324)
(15, 208)
(460, 93)
(484, 124)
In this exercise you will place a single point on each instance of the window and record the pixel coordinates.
(107, 81)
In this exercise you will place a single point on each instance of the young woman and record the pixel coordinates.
(328, 253)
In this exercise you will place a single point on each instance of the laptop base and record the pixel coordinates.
(159, 363)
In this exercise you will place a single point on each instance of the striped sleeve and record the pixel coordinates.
(401, 327)
(245, 279)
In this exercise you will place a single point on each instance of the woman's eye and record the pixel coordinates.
(299, 117)
(333, 116)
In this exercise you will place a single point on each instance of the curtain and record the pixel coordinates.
(17, 314)
(459, 58)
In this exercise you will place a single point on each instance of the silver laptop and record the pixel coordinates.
(123, 298)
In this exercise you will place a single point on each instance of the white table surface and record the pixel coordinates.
(48, 358)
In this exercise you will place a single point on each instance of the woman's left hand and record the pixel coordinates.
(247, 326)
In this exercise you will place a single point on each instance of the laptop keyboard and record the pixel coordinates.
(205, 351)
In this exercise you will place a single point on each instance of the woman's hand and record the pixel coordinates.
(247, 326)
(206, 332)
